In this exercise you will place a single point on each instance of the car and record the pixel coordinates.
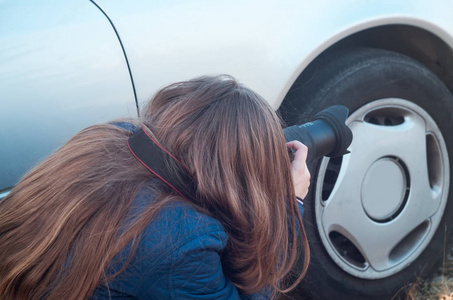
(377, 219)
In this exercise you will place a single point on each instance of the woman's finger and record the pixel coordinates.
(299, 169)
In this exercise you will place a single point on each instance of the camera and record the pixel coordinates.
(326, 135)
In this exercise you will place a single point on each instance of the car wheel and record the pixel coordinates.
(378, 218)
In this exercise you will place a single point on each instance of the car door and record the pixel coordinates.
(62, 68)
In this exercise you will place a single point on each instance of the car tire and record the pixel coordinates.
(380, 218)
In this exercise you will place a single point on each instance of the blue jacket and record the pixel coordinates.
(179, 257)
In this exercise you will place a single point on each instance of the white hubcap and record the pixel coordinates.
(378, 207)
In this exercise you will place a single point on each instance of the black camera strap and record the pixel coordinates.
(162, 164)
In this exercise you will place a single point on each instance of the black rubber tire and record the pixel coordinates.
(354, 78)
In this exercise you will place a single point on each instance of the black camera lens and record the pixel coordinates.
(326, 135)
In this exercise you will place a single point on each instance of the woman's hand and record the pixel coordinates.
(299, 169)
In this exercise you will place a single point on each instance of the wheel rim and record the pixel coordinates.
(378, 207)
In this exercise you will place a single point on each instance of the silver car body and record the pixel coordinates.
(63, 66)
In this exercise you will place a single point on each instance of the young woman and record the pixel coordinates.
(92, 221)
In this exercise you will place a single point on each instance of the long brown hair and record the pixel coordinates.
(60, 226)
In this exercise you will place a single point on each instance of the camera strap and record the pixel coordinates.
(162, 163)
